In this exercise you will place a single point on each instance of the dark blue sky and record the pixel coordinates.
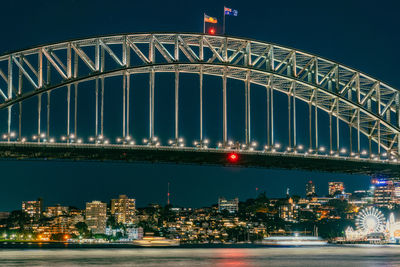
(360, 34)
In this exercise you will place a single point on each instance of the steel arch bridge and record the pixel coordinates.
(357, 105)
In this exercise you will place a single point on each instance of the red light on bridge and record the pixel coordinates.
(211, 31)
(233, 157)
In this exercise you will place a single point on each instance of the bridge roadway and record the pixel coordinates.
(219, 157)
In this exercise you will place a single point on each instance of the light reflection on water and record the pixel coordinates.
(311, 256)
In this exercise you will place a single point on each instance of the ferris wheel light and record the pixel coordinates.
(370, 220)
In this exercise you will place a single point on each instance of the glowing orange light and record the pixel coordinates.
(233, 157)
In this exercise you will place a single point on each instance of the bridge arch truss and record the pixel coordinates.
(368, 106)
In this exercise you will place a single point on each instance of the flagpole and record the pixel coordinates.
(204, 22)
(223, 28)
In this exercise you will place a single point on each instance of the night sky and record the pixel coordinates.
(360, 34)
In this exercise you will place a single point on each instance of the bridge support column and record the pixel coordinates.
(128, 89)
(289, 121)
(20, 104)
(102, 108)
(330, 134)
(10, 89)
(201, 103)
(123, 107)
(272, 114)
(97, 108)
(310, 126)
(151, 105)
(68, 112)
(337, 128)
(20, 122)
(358, 132)
(224, 115)
(102, 67)
(268, 118)
(247, 110)
(316, 121)
(379, 139)
(48, 115)
(294, 117)
(39, 115)
(176, 106)
(76, 111)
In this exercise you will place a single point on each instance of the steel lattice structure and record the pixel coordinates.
(366, 105)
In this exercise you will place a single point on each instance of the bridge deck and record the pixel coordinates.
(195, 156)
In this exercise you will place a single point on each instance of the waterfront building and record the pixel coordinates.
(124, 209)
(335, 188)
(33, 208)
(55, 211)
(96, 217)
(231, 205)
(134, 233)
(289, 211)
(384, 192)
(310, 189)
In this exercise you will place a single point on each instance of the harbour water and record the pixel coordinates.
(367, 255)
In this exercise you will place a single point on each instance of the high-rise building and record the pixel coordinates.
(336, 188)
(123, 209)
(231, 205)
(57, 210)
(384, 192)
(33, 208)
(310, 189)
(288, 211)
(96, 216)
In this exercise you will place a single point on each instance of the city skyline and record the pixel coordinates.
(351, 216)
(321, 190)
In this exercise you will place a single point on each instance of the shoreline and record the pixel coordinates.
(66, 245)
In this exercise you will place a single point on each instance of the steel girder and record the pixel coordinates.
(368, 105)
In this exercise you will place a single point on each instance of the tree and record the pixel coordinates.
(340, 206)
(18, 219)
(83, 229)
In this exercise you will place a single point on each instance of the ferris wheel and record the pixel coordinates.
(370, 220)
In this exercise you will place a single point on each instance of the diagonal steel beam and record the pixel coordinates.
(138, 52)
(111, 53)
(26, 74)
(55, 65)
(164, 52)
(83, 56)
(187, 50)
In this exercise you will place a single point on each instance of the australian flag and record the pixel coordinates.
(230, 11)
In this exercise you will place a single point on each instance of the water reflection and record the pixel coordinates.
(321, 256)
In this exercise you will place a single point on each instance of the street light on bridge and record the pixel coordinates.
(40, 137)
(127, 140)
(9, 136)
(177, 142)
(100, 139)
(201, 144)
(152, 141)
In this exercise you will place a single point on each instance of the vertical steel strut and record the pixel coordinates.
(176, 105)
(247, 109)
(201, 103)
(224, 115)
